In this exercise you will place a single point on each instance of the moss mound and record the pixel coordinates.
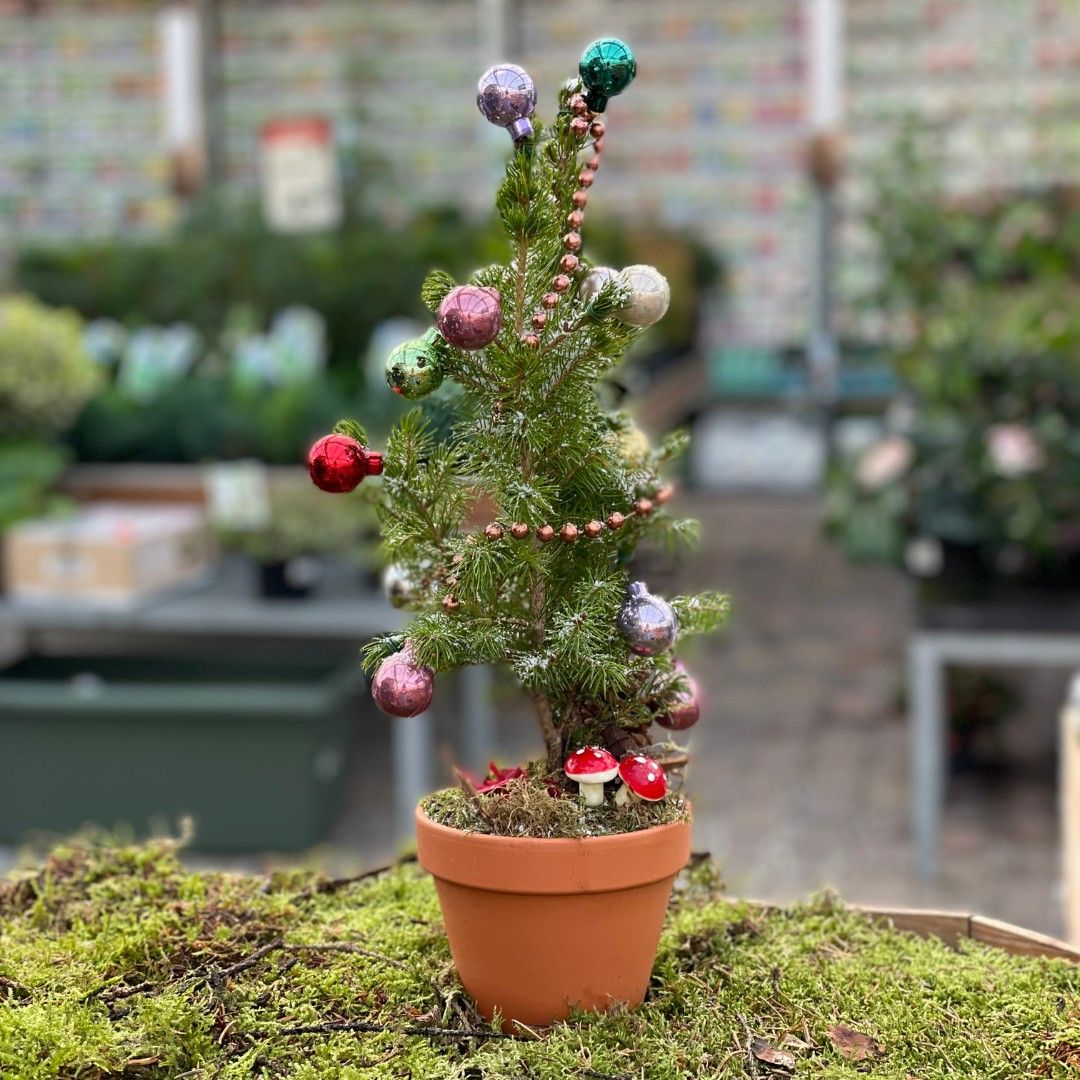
(118, 963)
(525, 808)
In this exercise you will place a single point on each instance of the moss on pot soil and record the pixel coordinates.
(525, 808)
(118, 963)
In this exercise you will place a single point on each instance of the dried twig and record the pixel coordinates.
(332, 885)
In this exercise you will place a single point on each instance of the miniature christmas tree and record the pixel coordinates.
(565, 490)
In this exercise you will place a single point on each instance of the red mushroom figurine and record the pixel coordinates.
(592, 767)
(641, 776)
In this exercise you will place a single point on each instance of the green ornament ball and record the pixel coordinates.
(415, 368)
(607, 68)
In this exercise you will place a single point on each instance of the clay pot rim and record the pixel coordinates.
(552, 865)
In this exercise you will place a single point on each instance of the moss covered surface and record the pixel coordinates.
(525, 808)
(116, 962)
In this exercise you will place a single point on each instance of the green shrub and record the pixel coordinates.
(45, 373)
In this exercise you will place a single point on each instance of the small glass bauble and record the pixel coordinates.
(398, 585)
(507, 97)
(607, 68)
(401, 686)
(594, 281)
(650, 295)
(414, 369)
(647, 622)
(470, 316)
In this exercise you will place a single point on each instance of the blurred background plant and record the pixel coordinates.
(301, 522)
(979, 468)
(46, 375)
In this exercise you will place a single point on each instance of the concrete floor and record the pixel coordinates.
(799, 773)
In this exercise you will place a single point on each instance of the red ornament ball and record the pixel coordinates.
(337, 463)
(470, 316)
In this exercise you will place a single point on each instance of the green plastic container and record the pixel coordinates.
(254, 752)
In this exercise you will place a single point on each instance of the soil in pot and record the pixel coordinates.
(538, 927)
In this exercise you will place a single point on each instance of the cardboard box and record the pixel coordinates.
(110, 553)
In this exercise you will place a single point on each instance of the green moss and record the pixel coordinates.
(118, 963)
(525, 808)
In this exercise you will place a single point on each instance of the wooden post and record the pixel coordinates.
(1069, 797)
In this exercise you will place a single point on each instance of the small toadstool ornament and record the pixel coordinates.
(647, 622)
(415, 368)
(470, 316)
(592, 767)
(401, 686)
(507, 97)
(643, 777)
(337, 463)
(650, 295)
(685, 708)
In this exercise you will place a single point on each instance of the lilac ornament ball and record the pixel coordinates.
(506, 96)
(401, 686)
(470, 316)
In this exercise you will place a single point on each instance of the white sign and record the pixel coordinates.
(301, 185)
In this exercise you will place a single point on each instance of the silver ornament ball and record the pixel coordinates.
(647, 622)
(594, 281)
(398, 585)
(650, 295)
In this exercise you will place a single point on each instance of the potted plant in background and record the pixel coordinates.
(531, 875)
(975, 484)
(46, 376)
(300, 532)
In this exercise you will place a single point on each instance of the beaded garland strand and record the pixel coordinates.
(584, 123)
(569, 533)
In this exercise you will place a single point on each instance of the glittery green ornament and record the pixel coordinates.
(607, 68)
(415, 367)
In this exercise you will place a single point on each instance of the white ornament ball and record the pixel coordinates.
(594, 281)
(650, 295)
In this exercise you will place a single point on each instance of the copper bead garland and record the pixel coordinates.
(519, 530)
(593, 529)
(545, 534)
(569, 532)
(493, 531)
(615, 520)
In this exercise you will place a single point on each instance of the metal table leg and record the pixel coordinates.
(926, 704)
(413, 750)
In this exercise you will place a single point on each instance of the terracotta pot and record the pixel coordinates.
(539, 926)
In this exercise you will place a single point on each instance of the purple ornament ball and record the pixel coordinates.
(506, 96)
(470, 316)
(401, 686)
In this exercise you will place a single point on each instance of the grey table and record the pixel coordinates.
(225, 606)
(931, 649)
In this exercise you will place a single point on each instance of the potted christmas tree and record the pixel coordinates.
(511, 539)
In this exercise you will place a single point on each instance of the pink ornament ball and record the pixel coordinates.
(470, 316)
(401, 686)
(685, 710)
